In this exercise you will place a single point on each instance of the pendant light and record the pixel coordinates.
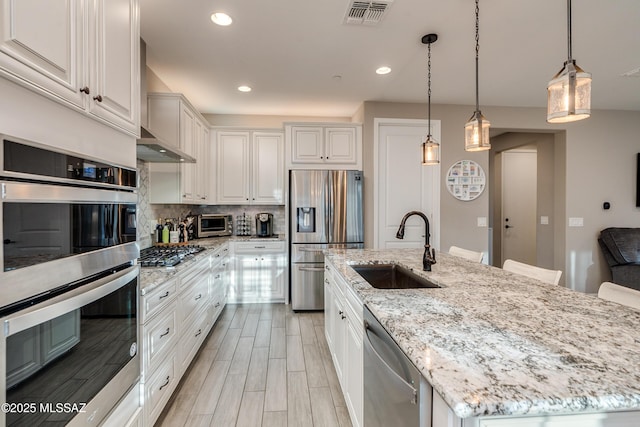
(476, 131)
(569, 92)
(430, 148)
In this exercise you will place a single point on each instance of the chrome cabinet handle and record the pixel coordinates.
(165, 333)
(166, 383)
(166, 294)
(98, 98)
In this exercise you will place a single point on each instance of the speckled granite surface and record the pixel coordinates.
(151, 277)
(493, 343)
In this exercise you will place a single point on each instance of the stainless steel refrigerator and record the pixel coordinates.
(325, 212)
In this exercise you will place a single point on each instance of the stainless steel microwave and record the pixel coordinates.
(213, 225)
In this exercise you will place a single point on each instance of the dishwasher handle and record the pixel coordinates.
(409, 386)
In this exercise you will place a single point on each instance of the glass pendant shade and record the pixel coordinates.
(430, 152)
(569, 95)
(476, 133)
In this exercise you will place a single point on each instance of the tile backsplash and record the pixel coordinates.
(148, 213)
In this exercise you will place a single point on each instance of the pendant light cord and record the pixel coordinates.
(429, 91)
(477, 50)
(569, 30)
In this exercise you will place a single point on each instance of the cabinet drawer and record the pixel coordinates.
(154, 301)
(195, 273)
(158, 389)
(159, 337)
(353, 305)
(193, 336)
(259, 247)
(193, 298)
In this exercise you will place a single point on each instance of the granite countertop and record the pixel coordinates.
(495, 343)
(150, 277)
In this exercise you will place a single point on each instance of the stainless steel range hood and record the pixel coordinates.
(149, 148)
(154, 150)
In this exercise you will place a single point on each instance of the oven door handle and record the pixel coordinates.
(69, 301)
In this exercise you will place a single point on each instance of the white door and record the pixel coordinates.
(403, 184)
(519, 189)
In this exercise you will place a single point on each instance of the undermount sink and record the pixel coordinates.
(392, 276)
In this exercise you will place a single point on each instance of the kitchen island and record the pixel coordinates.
(496, 344)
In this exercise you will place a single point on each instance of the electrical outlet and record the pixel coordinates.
(576, 222)
(544, 220)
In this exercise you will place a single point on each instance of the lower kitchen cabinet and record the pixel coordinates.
(344, 334)
(176, 316)
(260, 272)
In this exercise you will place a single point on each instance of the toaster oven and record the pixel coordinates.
(213, 225)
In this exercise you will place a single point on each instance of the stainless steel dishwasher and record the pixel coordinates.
(395, 393)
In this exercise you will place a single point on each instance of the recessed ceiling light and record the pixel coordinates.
(244, 88)
(221, 18)
(162, 150)
(383, 70)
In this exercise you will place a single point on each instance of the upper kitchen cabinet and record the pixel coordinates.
(250, 167)
(324, 145)
(81, 53)
(173, 119)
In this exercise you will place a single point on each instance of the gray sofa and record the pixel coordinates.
(621, 249)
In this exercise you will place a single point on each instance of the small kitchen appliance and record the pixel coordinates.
(214, 225)
(264, 224)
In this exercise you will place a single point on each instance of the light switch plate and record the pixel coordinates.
(576, 222)
(482, 221)
(544, 220)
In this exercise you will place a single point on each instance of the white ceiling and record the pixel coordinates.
(289, 51)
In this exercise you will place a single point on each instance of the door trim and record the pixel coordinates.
(379, 122)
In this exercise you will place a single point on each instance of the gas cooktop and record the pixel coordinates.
(167, 256)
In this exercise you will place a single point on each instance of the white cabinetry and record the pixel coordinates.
(176, 316)
(173, 119)
(259, 273)
(343, 330)
(250, 167)
(324, 146)
(82, 53)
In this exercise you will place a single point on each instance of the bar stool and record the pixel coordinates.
(466, 253)
(619, 294)
(544, 275)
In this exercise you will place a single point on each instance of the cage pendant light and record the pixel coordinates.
(569, 92)
(430, 148)
(476, 130)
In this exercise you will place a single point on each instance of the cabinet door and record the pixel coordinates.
(340, 145)
(272, 272)
(233, 167)
(339, 338)
(306, 145)
(354, 391)
(268, 169)
(187, 144)
(44, 49)
(114, 62)
(202, 163)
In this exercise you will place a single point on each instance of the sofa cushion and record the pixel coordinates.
(622, 243)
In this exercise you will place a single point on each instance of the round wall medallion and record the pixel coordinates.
(465, 180)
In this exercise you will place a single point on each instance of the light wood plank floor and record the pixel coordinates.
(261, 365)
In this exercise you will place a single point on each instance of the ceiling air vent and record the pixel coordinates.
(366, 12)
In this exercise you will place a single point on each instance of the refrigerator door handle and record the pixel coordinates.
(328, 207)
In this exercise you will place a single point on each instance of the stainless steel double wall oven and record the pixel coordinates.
(68, 285)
